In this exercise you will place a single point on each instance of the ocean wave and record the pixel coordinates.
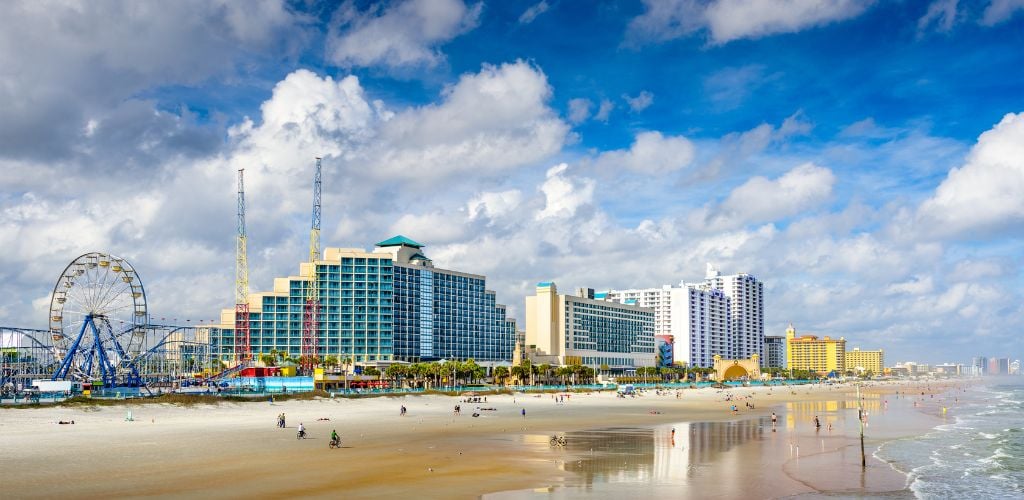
(987, 435)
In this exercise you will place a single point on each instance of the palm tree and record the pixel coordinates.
(500, 374)
(517, 373)
(545, 372)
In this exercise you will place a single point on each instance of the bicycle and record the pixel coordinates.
(335, 443)
(558, 441)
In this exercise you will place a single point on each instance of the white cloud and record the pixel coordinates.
(579, 110)
(604, 110)
(639, 103)
(563, 195)
(986, 193)
(941, 14)
(67, 65)
(494, 205)
(401, 35)
(917, 286)
(728, 20)
(999, 11)
(650, 153)
(491, 121)
(435, 227)
(762, 200)
(535, 10)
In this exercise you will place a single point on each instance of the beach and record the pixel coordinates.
(613, 445)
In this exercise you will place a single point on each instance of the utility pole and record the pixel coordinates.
(311, 321)
(242, 353)
(860, 418)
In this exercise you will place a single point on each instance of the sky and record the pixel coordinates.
(864, 159)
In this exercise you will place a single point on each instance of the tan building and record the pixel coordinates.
(579, 329)
(820, 355)
(865, 361)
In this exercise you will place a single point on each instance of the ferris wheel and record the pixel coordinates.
(98, 317)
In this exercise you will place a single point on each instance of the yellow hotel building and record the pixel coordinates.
(865, 361)
(820, 355)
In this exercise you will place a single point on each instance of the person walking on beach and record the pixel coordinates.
(817, 423)
(775, 420)
(402, 412)
(524, 412)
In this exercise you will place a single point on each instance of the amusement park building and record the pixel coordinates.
(379, 307)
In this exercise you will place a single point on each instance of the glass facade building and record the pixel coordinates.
(379, 307)
(573, 329)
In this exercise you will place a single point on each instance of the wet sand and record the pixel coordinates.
(235, 450)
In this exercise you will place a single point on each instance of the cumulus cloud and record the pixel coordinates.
(494, 120)
(60, 84)
(650, 153)
(728, 20)
(760, 199)
(494, 205)
(563, 195)
(999, 11)
(404, 34)
(436, 227)
(986, 194)
(535, 10)
(639, 103)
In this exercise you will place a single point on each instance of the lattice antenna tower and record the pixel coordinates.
(241, 279)
(311, 321)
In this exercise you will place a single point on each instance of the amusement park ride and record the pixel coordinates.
(100, 335)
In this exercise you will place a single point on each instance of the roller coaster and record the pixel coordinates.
(100, 336)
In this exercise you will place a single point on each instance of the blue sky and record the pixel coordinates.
(864, 159)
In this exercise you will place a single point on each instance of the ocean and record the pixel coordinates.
(979, 454)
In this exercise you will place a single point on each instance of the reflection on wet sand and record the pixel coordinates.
(628, 454)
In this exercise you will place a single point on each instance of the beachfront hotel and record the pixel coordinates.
(582, 329)
(695, 316)
(723, 315)
(387, 305)
(746, 294)
(820, 355)
(865, 361)
(775, 351)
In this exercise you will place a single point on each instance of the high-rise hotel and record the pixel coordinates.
(582, 329)
(724, 315)
(378, 307)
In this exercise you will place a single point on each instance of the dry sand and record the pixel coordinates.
(236, 450)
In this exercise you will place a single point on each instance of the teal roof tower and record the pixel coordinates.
(399, 240)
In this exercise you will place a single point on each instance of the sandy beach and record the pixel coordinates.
(613, 445)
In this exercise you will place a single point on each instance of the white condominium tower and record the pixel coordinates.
(696, 316)
(747, 295)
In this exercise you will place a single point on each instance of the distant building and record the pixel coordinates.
(820, 355)
(981, 363)
(865, 361)
(998, 366)
(775, 351)
(746, 294)
(663, 344)
(1015, 367)
(568, 329)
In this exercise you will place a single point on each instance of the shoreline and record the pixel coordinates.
(170, 450)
